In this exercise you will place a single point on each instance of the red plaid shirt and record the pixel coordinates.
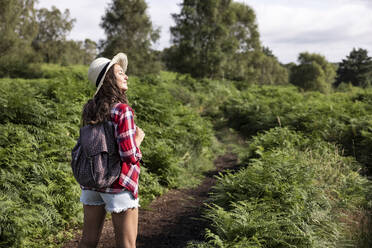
(125, 131)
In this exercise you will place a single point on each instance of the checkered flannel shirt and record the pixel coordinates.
(125, 130)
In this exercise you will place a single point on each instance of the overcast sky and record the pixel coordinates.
(329, 27)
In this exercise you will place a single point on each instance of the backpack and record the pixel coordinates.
(95, 160)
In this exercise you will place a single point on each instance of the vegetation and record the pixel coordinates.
(292, 191)
(220, 39)
(18, 28)
(343, 118)
(313, 73)
(128, 28)
(41, 117)
(51, 45)
(40, 121)
(299, 182)
(53, 29)
(207, 34)
(355, 69)
(304, 155)
(30, 36)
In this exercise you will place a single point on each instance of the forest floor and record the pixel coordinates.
(174, 218)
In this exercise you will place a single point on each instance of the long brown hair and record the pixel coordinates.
(98, 109)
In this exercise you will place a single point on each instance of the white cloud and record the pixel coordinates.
(87, 13)
(331, 27)
(288, 27)
(160, 12)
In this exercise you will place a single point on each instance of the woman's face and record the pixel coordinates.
(121, 78)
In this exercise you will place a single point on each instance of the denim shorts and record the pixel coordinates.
(113, 202)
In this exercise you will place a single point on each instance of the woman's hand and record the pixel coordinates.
(139, 136)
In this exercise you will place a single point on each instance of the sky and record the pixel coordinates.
(288, 27)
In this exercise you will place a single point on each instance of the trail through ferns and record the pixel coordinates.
(173, 219)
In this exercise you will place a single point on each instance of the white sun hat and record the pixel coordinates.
(99, 67)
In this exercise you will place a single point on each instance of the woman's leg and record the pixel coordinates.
(125, 225)
(94, 217)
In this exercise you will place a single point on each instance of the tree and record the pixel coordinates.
(51, 43)
(129, 29)
(54, 26)
(269, 70)
(314, 72)
(90, 48)
(355, 69)
(243, 44)
(208, 36)
(257, 68)
(268, 52)
(17, 29)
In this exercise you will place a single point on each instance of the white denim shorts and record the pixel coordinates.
(113, 202)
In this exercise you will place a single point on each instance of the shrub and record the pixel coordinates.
(39, 125)
(340, 117)
(293, 194)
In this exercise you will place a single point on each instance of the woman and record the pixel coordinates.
(121, 199)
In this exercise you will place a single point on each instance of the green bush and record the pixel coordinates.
(343, 118)
(314, 72)
(293, 194)
(39, 125)
(290, 192)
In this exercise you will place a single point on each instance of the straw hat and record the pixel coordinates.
(99, 67)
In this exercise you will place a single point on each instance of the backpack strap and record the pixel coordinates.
(110, 138)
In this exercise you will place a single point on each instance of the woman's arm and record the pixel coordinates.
(126, 134)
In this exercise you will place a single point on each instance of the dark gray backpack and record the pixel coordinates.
(95, 158)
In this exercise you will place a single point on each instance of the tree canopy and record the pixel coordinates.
(220, 39)
(54, 26)
(129, 29)
(208, 34)
(18, 28)
(355, 69)
(29, 35)
(314, 72)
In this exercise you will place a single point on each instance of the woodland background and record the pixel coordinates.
(302, 131)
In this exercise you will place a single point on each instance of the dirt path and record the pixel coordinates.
(172, 219)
